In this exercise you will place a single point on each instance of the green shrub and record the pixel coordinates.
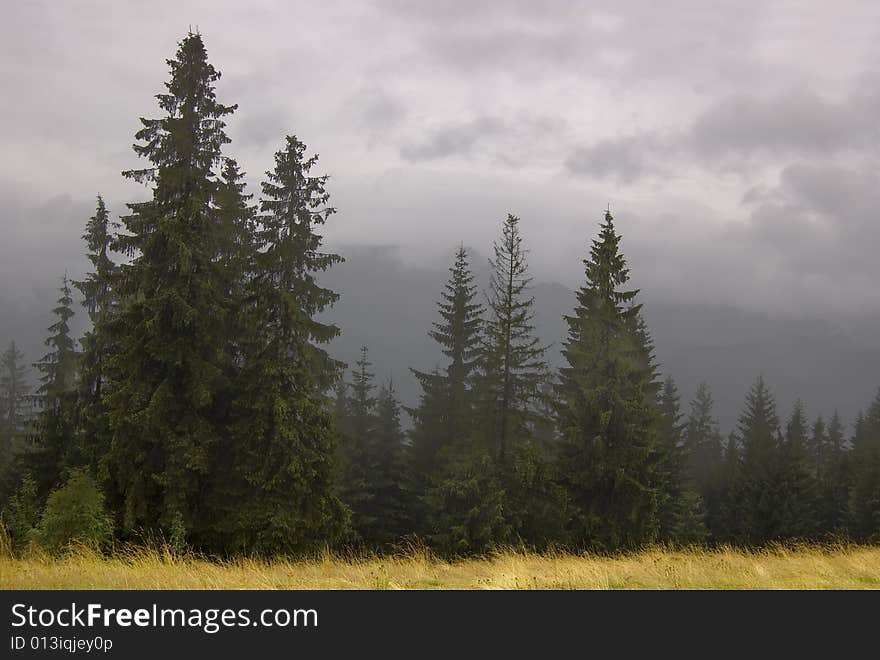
(22, 512)
(74, 513)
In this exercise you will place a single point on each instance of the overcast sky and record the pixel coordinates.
(737, 142)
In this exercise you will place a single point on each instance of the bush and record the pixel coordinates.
(74, 513)
(22, 512)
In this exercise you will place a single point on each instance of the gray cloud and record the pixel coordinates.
(739, 130)
(625, 158)
(452, 140)
(733, 147)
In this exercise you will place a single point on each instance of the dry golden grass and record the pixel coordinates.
(807, 567)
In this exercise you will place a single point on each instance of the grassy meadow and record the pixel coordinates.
(805, 567)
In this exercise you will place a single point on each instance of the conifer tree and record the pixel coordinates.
(388, 473)
(833, 473)
(14, 391)
(512, 359)
(704, 453)
(170, 367)
(680, 506)
(865, 493)
(446, 411)
(799, 515)
(465, 502)
(92, 441)
(732, 524)
(284, 481)
(444, 420)
(358, 452)
(56, 399)
(607, 408)
(762, 496)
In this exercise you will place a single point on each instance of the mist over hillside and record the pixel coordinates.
(388, 304)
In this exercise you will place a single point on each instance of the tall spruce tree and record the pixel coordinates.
(92, 438)
(762, 494)
(51, 453)
(608, 408)
(170, 366)
(446, 411)
(799, 514)
(512, 359)
(284, 455)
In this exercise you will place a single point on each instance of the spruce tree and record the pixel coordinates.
(446, 411)
(14, 392)
(704, 454)
(51, 453)
(169, 370)
(92, 440)
(833, 474)
(608, 408)
(798, 484)
(284, 456)
(512, 359)
(388, 473)
(358, 451)
(865, 493)
(762, 496)
(732, 524)
(444, 420)
(680, 506)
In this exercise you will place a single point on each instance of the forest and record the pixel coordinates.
(201, 407)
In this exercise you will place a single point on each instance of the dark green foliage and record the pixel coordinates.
(14, 392)
(680, 506)
(281, 493)
(865, 493)
(760, 441)
(446, 410)
(22, 512)
(52, 451)
(167, 378)
(607, 408)
(91, 439)
(704, 458)
(797, 481)
(465, 501)
(512, 366)
(731, 525)
(833, 475)
(74, 513)
(358, 452)
(388, 476)
(537, 507)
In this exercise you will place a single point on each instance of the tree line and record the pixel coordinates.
(202, 408)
